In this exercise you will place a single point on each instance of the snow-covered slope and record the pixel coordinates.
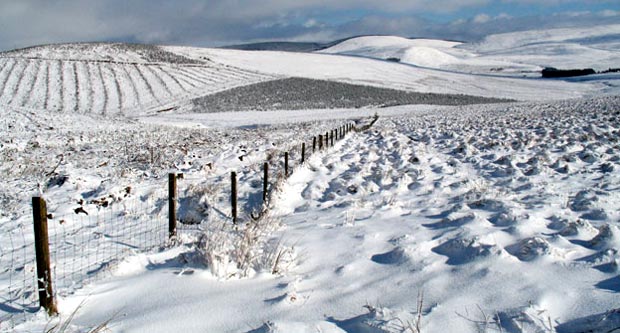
(515, 53)
(367, 71)
(110, 78)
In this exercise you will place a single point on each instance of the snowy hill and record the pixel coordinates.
(516, 53)
(385, 74)
(110, 78)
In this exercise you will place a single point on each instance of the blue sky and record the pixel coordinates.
(223, 22)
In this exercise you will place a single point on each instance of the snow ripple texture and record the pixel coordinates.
(83, 78)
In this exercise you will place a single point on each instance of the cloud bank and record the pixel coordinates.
(218, 22)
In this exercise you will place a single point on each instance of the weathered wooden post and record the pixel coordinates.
(286, 164)
(42, 249)
(326, 139)
(265, 181)
(320, 142)
(233, 195)
(332, 136)
(303, 152)
(172, 205)
(313, 144)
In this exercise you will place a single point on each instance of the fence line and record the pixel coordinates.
(121, 227)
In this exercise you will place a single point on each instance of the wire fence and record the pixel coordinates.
(85, 247)
(87, 244)
(17, 262)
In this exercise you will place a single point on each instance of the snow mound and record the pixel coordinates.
(379, 320)
(462, 250)
(606, 322)
(300, 327)
(530, 249)
(396, 256)
(525, 320)
(574, 228)
(608, 237)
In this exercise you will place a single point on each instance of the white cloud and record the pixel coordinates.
(481, 18)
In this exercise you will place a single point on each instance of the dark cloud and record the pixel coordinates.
(219, 22)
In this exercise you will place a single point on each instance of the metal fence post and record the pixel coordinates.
(286, 164)
(233, 195)
(42, 249)
(265, 181)
(172, 205)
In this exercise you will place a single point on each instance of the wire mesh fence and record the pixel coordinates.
(86, 244)
(17, 262)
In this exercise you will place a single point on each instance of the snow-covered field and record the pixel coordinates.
(110, 79)
(439, 218)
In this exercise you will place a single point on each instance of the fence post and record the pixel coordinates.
(326, 140)
(303, 152)
(233, 195)
(286, 164)
(265, 181)
(320, 142)
(42, 248)
(172, 205)
(332, 137)
(313, 144)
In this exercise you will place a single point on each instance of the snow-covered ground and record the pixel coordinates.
(497, 216)
(480, 218)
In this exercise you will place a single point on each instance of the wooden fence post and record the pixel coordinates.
(326, 140)
(303, 152)
(265, 181)
(313, 144)
(42, 249)
(320, 142)
(332, 136)
(286, 164)
(172, 205)
(233, 195)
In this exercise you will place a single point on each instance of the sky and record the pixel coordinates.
(26, 23)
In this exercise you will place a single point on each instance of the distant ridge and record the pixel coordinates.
(303, 46)
(290, 46)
